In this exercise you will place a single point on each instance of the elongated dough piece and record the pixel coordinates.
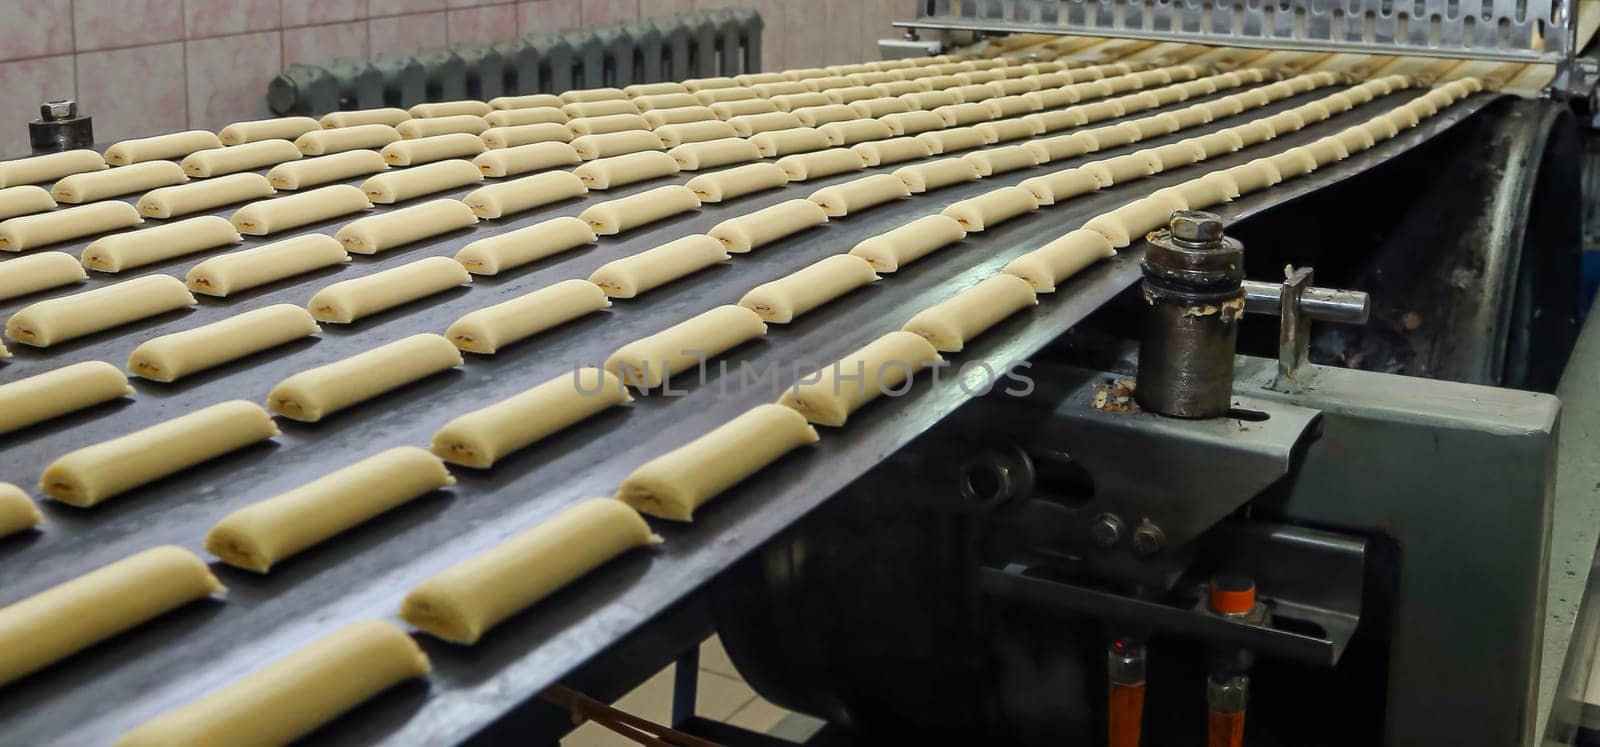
(625, 213)
(953, 139)
(755, 79)
(665, 101)
(496, 138)
(1121, 169)
(874, 108)
(803, 166)
(286, 212)
(130, 249)
(268, 263)
(380, 233)
(792, 295)
(17, 511)
(464, 601)
(674, 484)
(590, 147)
(95, 473)
(754, 230)
(944, 172)
(637, 273)
(528, 101)
(282, 128)
(171, 357)
(992, 161)
(950, 325)
(354, 118)
(855, 131)
(332, 168)
(74, 615)
(1005, 130)
(649, 361)
(580, 109)
(24, 200)
(930, 100)
(606, 123)
(49, 167)
(526, 116)
(59, 391)
(713, 153)
(26, 232)
(992, 208)
(742, 107)
(880, 367)
(482, 437)
(397, 186)
(678, 115)
(587, 95)
(184, 199)
(746, 125)
(314, 394)
(524, 158)
(817, 116)
(460, 124)
(728, 184)
(161, 147)
(235, 158)
(488, 329)
(99, 185)
(696, 85)
(433, 148)
(263, 534)
(37, 272)
(57, 320)
(518, 195)
(674, 135)
(775, 89)
(617, 171)
(511, 249)
(362, 137)
(650, 89)
(434, 109)
(1132, 221)
(860, 194)
(912, 122)
(350, 300)
(891, 150)
(887, 251)
(1050, 265)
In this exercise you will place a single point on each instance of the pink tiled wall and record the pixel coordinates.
(142, 67)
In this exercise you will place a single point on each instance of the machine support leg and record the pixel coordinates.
(685, 686)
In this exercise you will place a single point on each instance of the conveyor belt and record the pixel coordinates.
(91, 698)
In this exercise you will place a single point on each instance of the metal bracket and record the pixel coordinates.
(1294, 333)
(1296, 303)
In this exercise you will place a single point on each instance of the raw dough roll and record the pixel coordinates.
(897, 88)
(678, 115)
(829, 396)
(24, 200)
(580, 109)
(350, 300)
(1050, 265)
(755, 79)
(1132, 221)
(1010, 106)
(625, 213)
(50, 167)
(293, 211)
(874, 108)
(437, 109)
(1254, 176)
(665, 101)
(380, 233)
(268, 532)
(1121, 169)
(1060, 185)
(74, 615)
(1064, 119)
(282, 128)
(99, 185)
(183, 199)
(482, 437)
(313, 171)
(385, 116)
(496, 138)
(617, 171)
(130, 249)
(789, 102)
(1190, 116)
(650, 89)
(803, 166)
(696, 85)
(464, 601)
(1062, 147)
(161, 147)
(712, 97)
(17, 512)
(675, 135)
(944, 172)
(588, 95)
(1050, 98)
(778, 88)
(1001, 160)
(1380, 127)
(930, 100)
(855, 131)
(434, 148)
(525, 158)
(311, 395)
(268, 263)
(785, 142)
(488, 329)
(741, 108)
(792, 295)
(713, 153)
(397, 186)
(1173, 155)
(816, 116)
(504, 251)
(171, 357)
(359, 137)
(637, 273)
(889, 250)
(739, 181)
(1294, 162)
(95, 473)
(755, 230)
(590, 147)
(606, 123)
(951, 324)
(529, 101)
(955, 115)
(956, 138)
(649, 361)
(892, 150)
(461, 124)
(974, 94)
(1005, 130)
(1200, 194)
(992, 208)
(860, 194)
(1111, 136)
(59, 391)
(1217, 143)
(526, 116)
(1328, 150)
(234, 158)
(37, 272)
(506, 198)
(1015, 86)
(674, 484)
(64, 318)
(746, 125)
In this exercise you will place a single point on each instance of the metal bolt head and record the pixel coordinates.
(1195, 226)
(1148, 538)
(1106, 530)
(58, 110)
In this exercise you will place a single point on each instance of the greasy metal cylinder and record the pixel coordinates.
(60, 127)
(1193, 279)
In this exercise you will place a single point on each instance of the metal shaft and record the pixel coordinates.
(1321, 304)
